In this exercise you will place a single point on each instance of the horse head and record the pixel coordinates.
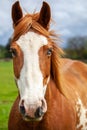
(31, 50)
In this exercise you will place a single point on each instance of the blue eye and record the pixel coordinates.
(49, 51)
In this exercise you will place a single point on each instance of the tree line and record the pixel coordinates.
(77, 48)
(5, 50)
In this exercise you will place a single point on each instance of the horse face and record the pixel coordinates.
(31, 60)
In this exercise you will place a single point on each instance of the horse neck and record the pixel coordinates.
(52, 91)
(54, 96)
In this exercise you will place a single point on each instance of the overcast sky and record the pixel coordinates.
(70, 16)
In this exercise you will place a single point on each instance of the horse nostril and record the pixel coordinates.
(39, 112)
(22, 109)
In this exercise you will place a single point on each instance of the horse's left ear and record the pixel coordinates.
(45, 15)
(17, 13)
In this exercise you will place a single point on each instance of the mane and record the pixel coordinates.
(26, 23)
(31, 22)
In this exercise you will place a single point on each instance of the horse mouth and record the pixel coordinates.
(28, 118)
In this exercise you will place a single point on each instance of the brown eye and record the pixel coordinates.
(49, 51)
(13, 51)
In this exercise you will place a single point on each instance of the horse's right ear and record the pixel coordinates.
(45, 15)
(17, 13)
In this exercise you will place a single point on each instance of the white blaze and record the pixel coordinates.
(30, 83)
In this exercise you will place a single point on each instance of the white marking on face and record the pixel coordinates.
(82, 113)
(30, 83)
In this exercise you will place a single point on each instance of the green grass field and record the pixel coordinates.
(8, 92)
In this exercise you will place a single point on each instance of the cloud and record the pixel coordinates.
(70, 15)
(5, 22)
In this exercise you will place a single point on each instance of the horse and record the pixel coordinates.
(52, 90)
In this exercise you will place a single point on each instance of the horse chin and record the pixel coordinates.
(27, 118)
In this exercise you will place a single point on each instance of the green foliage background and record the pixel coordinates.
(77, 48)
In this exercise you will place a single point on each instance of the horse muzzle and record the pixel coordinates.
(34, 112)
